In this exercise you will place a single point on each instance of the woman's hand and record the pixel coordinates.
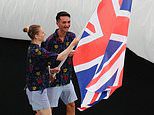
(53, 72)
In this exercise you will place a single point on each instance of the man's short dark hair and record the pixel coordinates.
(62, 13)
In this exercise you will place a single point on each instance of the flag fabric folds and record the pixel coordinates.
(99, 57)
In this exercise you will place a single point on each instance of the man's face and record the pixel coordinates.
(64, 23)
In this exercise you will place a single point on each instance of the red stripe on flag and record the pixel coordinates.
(107, 67)
(120, 2)
(106, 16)
(121, 26)
(94, 98)
(89, 51)
(91, 27)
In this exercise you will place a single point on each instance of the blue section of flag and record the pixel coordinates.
(126, 5)
(85, 34)
(85, 77)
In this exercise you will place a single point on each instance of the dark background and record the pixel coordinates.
(134, 97)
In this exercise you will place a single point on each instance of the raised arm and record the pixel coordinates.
(66, 52)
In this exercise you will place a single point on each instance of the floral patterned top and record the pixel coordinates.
(55, 45)
(37, 73)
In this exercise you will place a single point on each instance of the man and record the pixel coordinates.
(62, 86)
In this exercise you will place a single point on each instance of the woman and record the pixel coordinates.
(37, 73)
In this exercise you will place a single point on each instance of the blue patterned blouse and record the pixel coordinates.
(37, 74)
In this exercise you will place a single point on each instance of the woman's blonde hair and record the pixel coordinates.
(32, 30)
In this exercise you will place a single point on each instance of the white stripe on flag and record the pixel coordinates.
(120, 69)
(88, 65)
(124, 13)
(116, 6)
(87, 99)
(93, 36)
(118, 37)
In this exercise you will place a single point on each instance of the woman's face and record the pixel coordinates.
(41, 35)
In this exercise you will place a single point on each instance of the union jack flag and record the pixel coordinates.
(99, 57)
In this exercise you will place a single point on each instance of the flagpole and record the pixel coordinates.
(59, 66)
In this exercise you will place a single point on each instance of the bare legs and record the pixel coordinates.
(44, 112)
(70, 109)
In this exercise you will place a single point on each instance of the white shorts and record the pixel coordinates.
(66, 93)
(38, 99)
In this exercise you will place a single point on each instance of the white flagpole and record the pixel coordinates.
(59, 66)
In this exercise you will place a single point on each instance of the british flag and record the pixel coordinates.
(99, 57)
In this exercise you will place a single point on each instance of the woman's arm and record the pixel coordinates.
(66, 52)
